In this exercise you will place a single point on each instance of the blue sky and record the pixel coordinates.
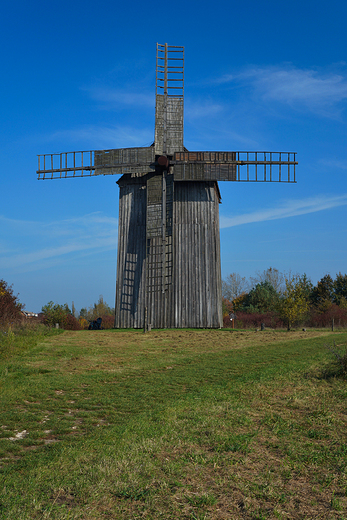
(261, 76)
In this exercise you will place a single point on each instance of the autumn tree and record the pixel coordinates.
(10, 308)
(239, 302)
(227, 306)
(295, 299)
(101, 308)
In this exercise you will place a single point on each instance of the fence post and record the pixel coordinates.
(332, 325)
(145, 321)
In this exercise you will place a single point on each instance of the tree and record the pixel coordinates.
(295, 300)
(262, 298)
(238, 303)
(306, 284)
(323, 294)
(227, 306)
(340, 290)
(234, 286)
(10, 308)
(99, 309)
(271, 275)
(55, 313)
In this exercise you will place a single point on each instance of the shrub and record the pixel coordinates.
(10, 308)
(339, 365)
(324, 318)
(71, 323)
(107, 322)
(246, 320)
(54, 313)
(83, 323)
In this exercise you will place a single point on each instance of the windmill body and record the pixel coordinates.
(168, 263)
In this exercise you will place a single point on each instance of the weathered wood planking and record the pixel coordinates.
(131, 272)
(172, 121)
(181, 283)
(197, 273)
(124, 160)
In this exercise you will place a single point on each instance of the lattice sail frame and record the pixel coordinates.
(238, 166)
(241, 166)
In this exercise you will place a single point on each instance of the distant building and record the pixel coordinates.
(27, 314)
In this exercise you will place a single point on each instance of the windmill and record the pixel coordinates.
(168, 263)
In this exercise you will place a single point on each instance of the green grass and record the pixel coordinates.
(172, 424)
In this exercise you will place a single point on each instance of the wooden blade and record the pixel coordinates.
(169, 100)
(235, 166)
(124, 160)
(137, 161)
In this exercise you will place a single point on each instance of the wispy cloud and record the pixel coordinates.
(291, 208)
(334, 163)
(195, 109)
(53, 240)
(318, 91)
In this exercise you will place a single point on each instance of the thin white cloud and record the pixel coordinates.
(195, 109)
(314, 90)
(44, 254)
(53, 240)
(287, 209)
(334, 163)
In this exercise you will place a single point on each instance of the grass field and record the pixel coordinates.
(210, 424)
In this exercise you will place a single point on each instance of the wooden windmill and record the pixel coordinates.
(168, 265)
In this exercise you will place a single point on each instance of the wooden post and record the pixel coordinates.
(145, 322)
(332, 325)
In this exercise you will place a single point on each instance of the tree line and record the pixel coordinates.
(279, 299)
(52, 313)
(68, 319)
(270, 297)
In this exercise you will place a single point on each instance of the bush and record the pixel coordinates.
(339, 365)
(324, 318)
(10, 308)
(108, 322)
(71, 323)
(54, 313)
(246, 320)
(84, 324)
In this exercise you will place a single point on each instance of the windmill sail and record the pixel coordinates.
(169, 100)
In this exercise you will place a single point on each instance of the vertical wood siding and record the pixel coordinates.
(196, 245)
(181, 275)
(131, 273)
